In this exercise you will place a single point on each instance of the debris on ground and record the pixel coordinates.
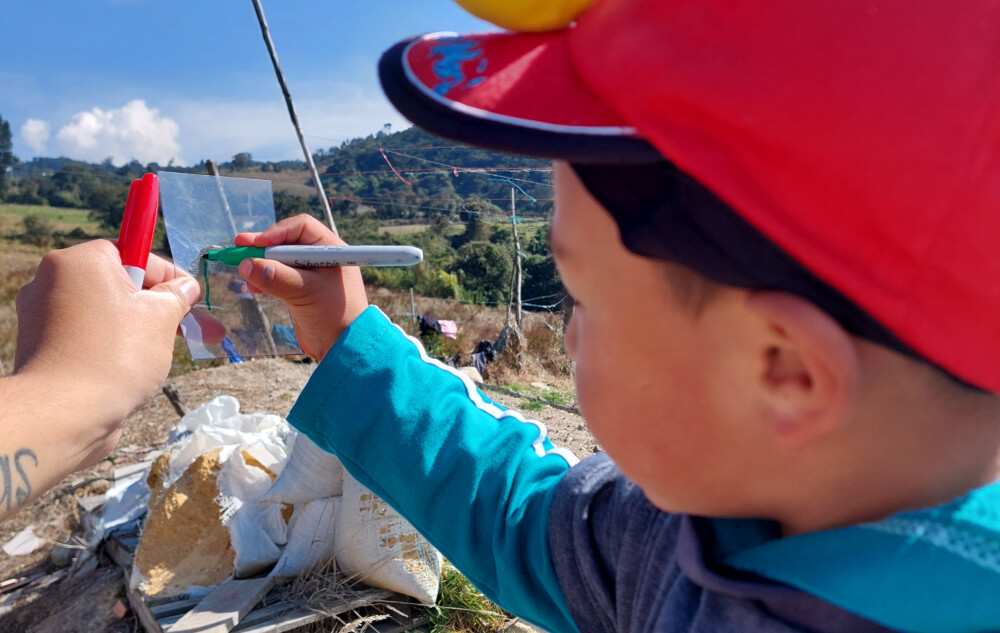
(75, 583)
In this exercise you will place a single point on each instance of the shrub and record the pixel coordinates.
(64, 199)
(107, 204)
(27, 193)
(389, 277)
(484, 269)
(441, 285)
(541, 280)
(543, 339)
(287, 205)
(38, 230)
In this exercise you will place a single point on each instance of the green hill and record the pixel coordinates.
(413, 174)
(453, 200)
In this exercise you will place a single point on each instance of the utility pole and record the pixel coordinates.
(413, 315)
(511, 344)
(516, 290)
(291, 112)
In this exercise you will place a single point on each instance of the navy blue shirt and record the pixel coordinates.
(624, 565)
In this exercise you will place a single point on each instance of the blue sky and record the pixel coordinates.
(188, 80)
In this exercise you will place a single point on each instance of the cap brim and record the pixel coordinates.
(511, 92)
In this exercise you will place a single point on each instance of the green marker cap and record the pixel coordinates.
(233, 255)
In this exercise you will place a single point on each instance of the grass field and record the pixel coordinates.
(404, 229)
(525, 230)
(63, 220)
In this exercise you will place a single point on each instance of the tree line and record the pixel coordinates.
(468, 243)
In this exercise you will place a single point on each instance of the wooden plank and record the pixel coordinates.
(91, 502)
(173, 608)
(390, 626)
(168, 621)
(139, 606)
(222, 608)
(124, 471)
(121, 554)
(296, 618)
(158, 601)
(283, 617)
(16, 583)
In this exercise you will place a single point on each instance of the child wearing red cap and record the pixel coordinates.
(799, 202)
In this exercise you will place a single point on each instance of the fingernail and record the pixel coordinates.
(190, 289)
(245, 267)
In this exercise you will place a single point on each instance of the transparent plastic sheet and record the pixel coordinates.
(202, 211)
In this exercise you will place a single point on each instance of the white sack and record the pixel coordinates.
(219, 423)
(377, 545)
(256, 549)
(253, 450)
(310, 473)
(310, 537)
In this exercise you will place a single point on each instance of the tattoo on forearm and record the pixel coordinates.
(15, 493)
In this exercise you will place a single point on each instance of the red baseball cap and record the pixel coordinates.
(853, 146)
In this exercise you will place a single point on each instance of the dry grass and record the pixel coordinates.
(17, 267)
(295, 182)
(545, 359)
(460, 607)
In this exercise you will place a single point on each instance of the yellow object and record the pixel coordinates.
(527, 15)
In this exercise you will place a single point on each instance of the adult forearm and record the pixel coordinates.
(48, 429)
(90, 350)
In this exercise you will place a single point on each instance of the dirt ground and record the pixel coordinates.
(84, 604)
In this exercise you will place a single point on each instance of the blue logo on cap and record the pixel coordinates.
(451, 55)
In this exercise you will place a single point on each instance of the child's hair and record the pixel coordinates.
(689, 288)
(695, 292)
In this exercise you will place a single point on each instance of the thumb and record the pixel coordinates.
(185, 291)
(276, 279)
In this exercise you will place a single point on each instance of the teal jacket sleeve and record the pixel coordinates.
(477, 481)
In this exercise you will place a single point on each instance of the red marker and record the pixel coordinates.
(136, 235)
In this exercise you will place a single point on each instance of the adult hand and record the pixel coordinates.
(323, 301)
(82, 325)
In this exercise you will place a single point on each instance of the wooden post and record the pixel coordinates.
(517, 263)
(510, 344)
(291, 112)
(213, 170)
(175, 399)
(413, 315)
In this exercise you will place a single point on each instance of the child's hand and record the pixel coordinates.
(323, 301)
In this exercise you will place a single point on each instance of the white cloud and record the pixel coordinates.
(35, 133)
(206, 128)
(219, 130)
(134, 131)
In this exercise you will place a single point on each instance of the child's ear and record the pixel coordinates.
(808, 368)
